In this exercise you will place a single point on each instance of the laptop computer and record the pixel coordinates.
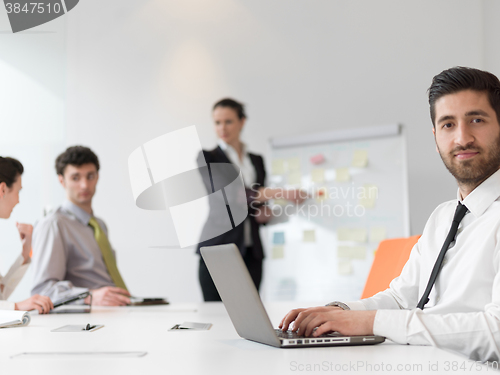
(245, 308)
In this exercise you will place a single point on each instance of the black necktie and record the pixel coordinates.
(459, 215)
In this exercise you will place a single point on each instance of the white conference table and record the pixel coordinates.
(217, 351)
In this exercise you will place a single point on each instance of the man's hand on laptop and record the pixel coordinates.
(328, 319)
(109, 296)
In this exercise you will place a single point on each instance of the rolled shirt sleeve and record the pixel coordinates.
(11, 280)
(49, 262)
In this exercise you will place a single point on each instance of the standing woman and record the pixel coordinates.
(10, 185)
(229, 118)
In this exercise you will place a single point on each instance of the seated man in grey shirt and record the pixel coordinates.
(72, 253)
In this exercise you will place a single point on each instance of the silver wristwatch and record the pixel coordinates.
(342, 305)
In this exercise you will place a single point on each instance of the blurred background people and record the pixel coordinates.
(229, 119)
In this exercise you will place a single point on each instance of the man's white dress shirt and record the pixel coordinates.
(463, 313)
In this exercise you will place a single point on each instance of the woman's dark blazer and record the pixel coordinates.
(236, 235)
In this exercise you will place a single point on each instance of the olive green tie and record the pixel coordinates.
(107, 253)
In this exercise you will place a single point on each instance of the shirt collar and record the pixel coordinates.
(225, 147)
(481, 198)
(80, 214)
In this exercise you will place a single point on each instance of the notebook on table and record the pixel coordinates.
(14, 318)
(245, 308)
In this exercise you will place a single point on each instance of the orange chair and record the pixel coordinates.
(390, 258)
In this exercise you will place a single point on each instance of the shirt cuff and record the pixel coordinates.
(19, 262)
(357, 305)
(7, 305)
(391, 324)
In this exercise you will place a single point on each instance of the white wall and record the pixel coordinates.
(138, 69)
(32, 124)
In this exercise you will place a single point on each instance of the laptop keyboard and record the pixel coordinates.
(294, 335)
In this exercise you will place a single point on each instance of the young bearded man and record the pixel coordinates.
(453, 303)
(72, 253)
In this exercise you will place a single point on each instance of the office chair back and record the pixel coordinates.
(390, 258)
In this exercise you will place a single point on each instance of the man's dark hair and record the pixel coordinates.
(460, 78)
(76, 155)
(10, 169)
(231, 103)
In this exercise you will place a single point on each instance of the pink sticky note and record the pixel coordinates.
(317, 159)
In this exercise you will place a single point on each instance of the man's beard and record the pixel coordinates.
(473, 172)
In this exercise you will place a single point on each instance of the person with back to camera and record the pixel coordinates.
(10, 185)
(229, 119)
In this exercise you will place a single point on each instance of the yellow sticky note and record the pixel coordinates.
(318, 175)
(278, 166)
(294, 178)
(351, 252)
(344, 267)
(293, 164)
(343, 234)
(352, 234)
(377, 234)
(309, 236)
(278, 252)
(281, 202)
(368, 196)
(342, 175)
(367, 203)
(360, 159)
